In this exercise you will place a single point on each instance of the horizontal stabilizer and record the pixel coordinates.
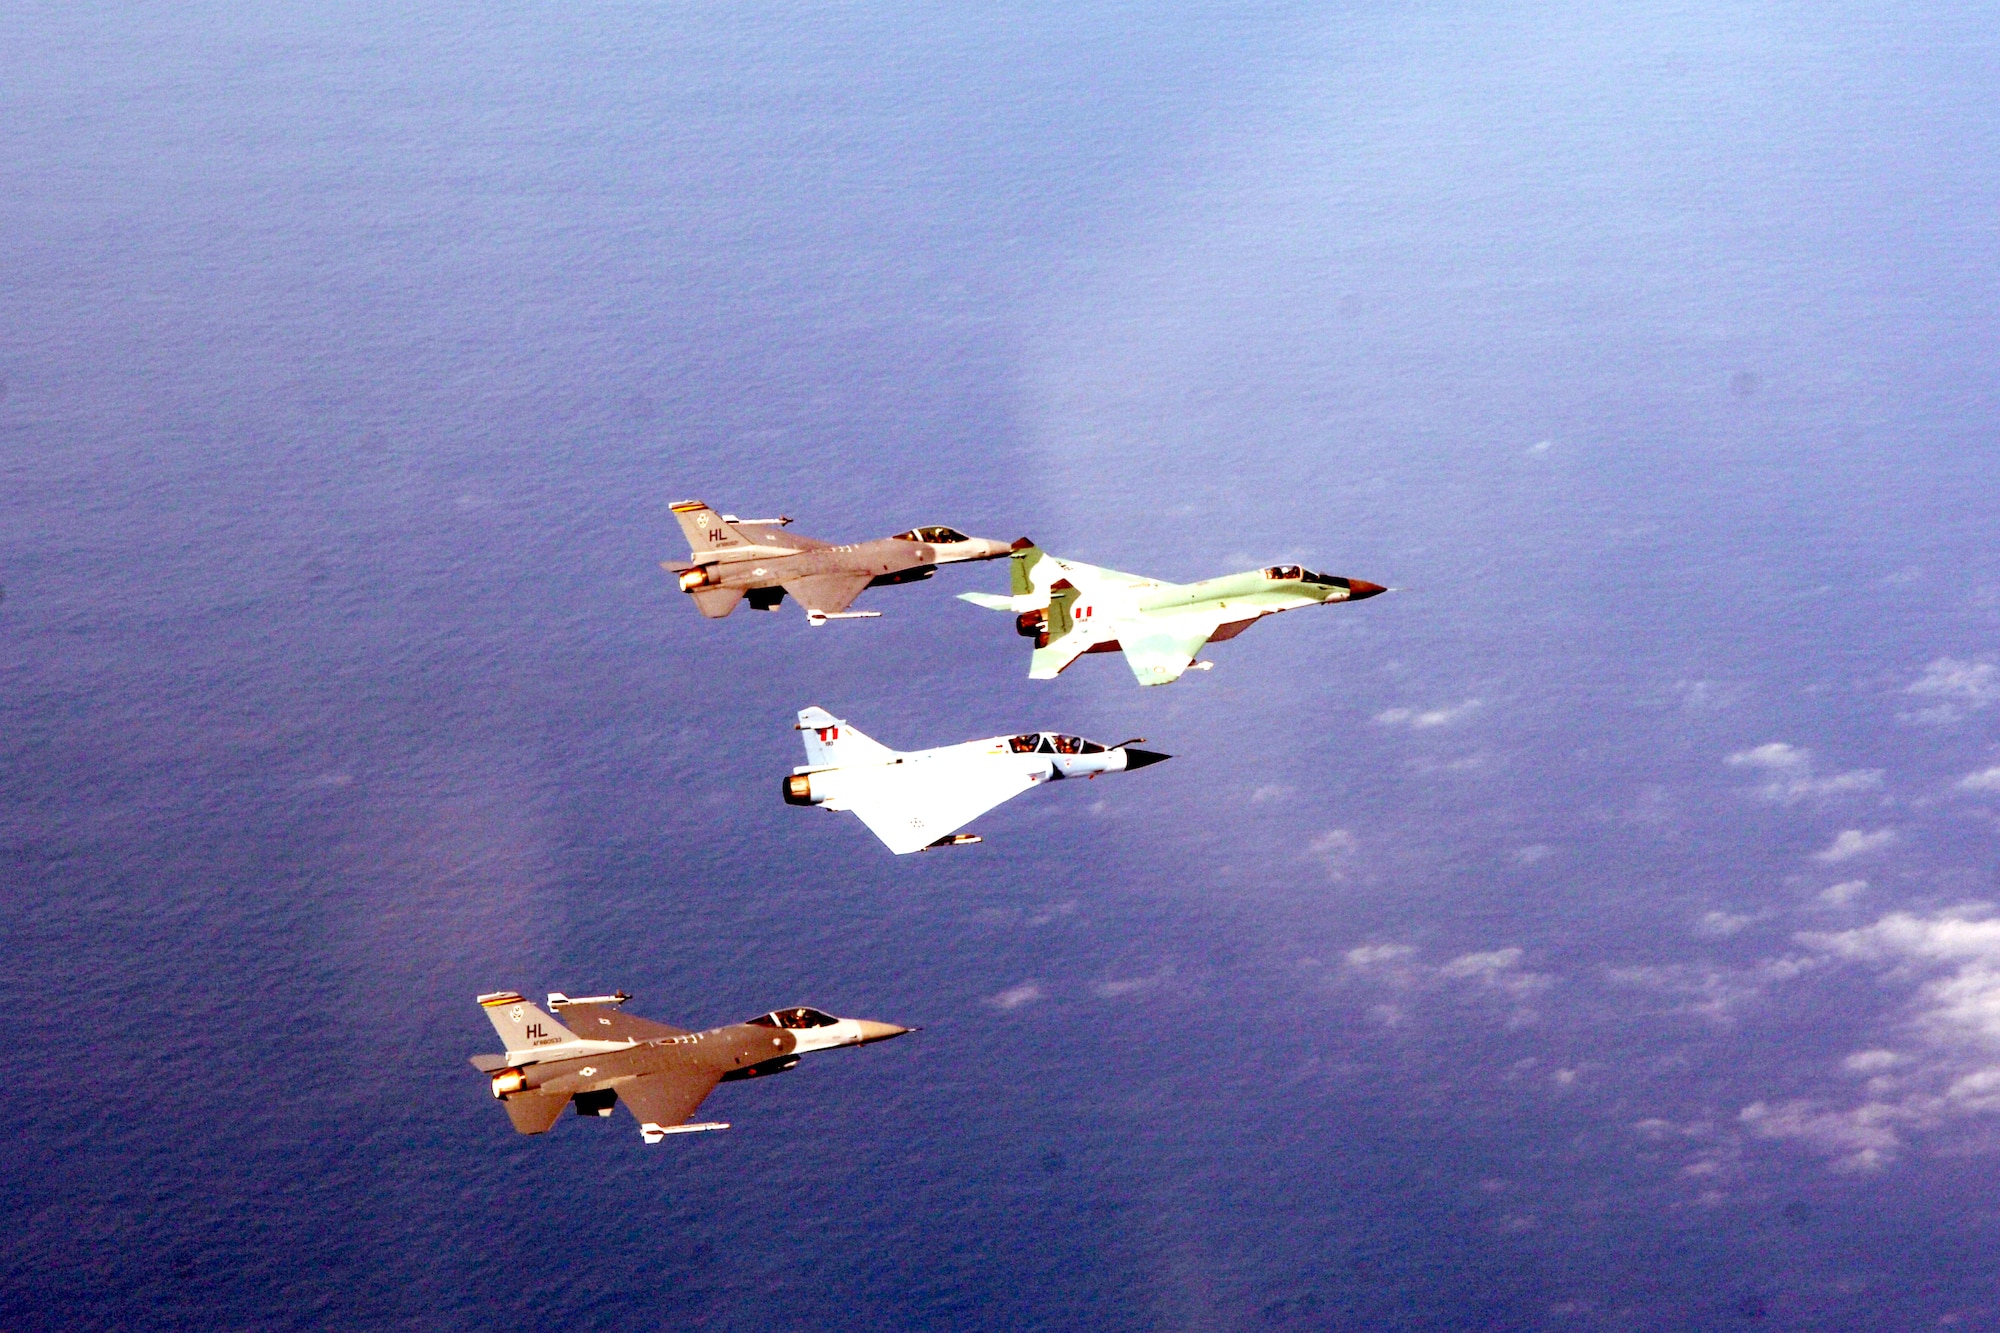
(991, 601)
(534, 1112)
(715, 603)
(1050, 662)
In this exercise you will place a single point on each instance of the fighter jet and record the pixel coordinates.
(920, 799)
(730, 557)
(597, 1057)
(1069, 608)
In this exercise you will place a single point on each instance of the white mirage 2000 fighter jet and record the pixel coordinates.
(917, 799)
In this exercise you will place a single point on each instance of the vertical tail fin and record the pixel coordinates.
(706, 530)
(521, 1025)
(831, 742)
(1021, 570)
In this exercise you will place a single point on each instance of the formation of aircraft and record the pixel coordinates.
(731, 558)
(918, 799)
(1069, 608)
(597, 1057)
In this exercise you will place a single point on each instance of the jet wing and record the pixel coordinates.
(603, 1022)
(1159, 656)
(912, 808)
(828, 594)
(667, 1099)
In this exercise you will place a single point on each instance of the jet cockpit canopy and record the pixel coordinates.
(935, 535)
(800, 1017)
(1300, 573)
(1048, 742)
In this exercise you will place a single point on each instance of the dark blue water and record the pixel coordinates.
(1595, 936)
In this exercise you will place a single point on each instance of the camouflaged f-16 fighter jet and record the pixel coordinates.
(597, 1057)
(1069, 608)
(731, 557)
(920, 799)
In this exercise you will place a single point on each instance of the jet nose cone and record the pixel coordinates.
(1357, 589)
(1141, 758)
(873, 1031)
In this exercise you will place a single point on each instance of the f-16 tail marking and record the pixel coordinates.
(521, 1025)
(707, 530)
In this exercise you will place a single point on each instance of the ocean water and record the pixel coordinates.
(1596, 934)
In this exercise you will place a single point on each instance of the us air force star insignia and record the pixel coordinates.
(587, 1070)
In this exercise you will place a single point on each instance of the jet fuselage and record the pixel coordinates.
(596, 1055)
(731, 558)
(1069, 609)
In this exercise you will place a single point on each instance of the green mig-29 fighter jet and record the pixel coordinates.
(1069, 608)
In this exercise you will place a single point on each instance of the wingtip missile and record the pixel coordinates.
(653, 1133)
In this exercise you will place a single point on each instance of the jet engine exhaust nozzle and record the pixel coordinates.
(798, 789)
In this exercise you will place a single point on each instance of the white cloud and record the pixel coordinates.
(1336, 849)
(1950, 688)
(1950, 1070)
(1373, 955)
(1788, 777)
(1850, 843)
(1481, 964)
(1985, 780)
(1495, 972)
(1843, 893)
(1424, 718)
(1114, 990)
(1859, 1139)
(1500, 970)
(1016, 996)
(1714, 993)
(1721, 925)
(1776, 754)
(1708, 696)
(1871, 1062)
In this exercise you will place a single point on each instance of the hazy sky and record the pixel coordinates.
(1598, 933)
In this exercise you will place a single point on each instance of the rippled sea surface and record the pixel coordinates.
(1595, 935)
